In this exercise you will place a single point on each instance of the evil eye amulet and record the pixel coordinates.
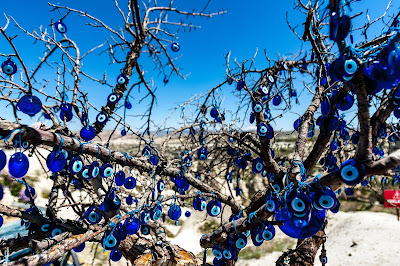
(132, 225)
(87, 133)
(175, 47)
(160, 186)
(112, 99)
(277, 100)
(3, 160)
(146, 151)
(202, 153)
(106, 170)
(76, 165)
(174, 212)
(9, 67)
(94, 169)
(111, 240)
(130, 182)
(122, 79)
(145, 229)
(120, 178)
(29, 104)
(56, 161)
(153, 159)
(241, 241)
(115, 255)
(102, 118)
(263, 89)
(268, 233)
(214, 208)
(257, 107)
(352, 172)
(61, 27)
(156, 212)
(92, 215)
(258, 165)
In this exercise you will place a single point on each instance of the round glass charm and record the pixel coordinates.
(9, 67)
(18, 165)
(303, 227)
(61, 27)
(174, 212)
(102, 118)
(56, 161)
(3, 160)
(29, 104)
(175, 47)
(87, 133)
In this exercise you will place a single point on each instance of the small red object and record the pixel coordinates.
(392, 198)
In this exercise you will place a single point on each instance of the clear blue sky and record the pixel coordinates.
(247, 26)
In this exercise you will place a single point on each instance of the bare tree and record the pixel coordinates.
(335, 73)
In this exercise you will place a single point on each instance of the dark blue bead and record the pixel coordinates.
(61, 27)
(120, 178)
(29, 104)
(87, 133)
(3, 160)
(56, 161)
(9, 67)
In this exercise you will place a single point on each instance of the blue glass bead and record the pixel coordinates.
(9, 67)
(146, 151)
(303, 227)
(214, 112)
(115, 255)
(297, 123)
(66, 115)
(29, 104)
(349, 191)
(256, 236)
(122, 79)
(123, 132)
(32, 191)
(129, 200)
(187, 161)
(102, 118)
(112, 99)
(130, 182)
(298, 204)
(56, 161)
(85, 172)
(270, 78)
(144, 217)
(214, 208)
(3, 160)
(153, 159)
(355, 138)
(156, 213)
(277, 100)
(66, 107)
(187, 214)
(92, 215)
(120, 178)
(87, 133)
(257, 107)
(350, 66)
(240, 85)
(61, 27)
(79, 248)
(202, 153)
(240, 241)
(346, 103)
(217, 252)
(272, 203)
(268, 233)
(175, 47)
(174, 212)
(111, 240)
(160, 186)
(263, 89)
(352, 172)
(128, 104)
(1, 192)
(252, 118)
(76, 165)
(106, 170)
(258, 165)
(94, 169)
(132, 225)
(145, 229)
